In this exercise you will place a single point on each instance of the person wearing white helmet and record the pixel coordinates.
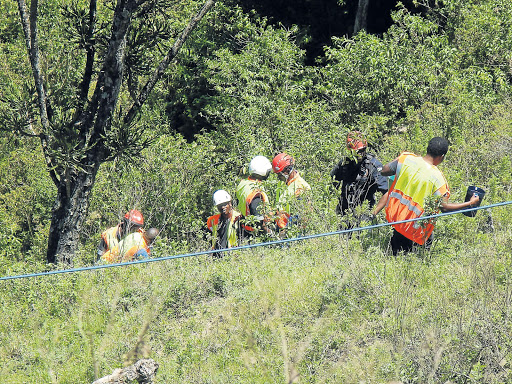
(251, 195)
(224, 226)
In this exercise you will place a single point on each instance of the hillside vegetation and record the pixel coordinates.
(328, 310)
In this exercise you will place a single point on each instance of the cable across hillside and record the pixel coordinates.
(248, 246)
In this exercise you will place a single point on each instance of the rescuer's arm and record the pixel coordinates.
(446, 206)
(381, 204)
(390, 168)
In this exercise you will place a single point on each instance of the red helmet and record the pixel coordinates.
(281, 161)
(134, 217)
(356, 141)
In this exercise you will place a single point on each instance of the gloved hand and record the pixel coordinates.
(367, 217)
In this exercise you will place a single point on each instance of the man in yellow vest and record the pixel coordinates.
(417, 179)
(295, 187)
(252, 197)
(224, 226)
(134, 246)
(110, 238)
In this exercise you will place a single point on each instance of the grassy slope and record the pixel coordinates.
(330, 310)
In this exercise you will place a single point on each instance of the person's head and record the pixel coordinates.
(132, 221)
(151, 234)
(282, 165)
(437, 149)
(222, 200)
(259, 168)
(357, 144)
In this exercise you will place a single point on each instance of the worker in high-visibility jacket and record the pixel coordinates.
(251, 196)
(225, 226)
(294, 188)
(132, 221)
(417, 179)
(134, 246)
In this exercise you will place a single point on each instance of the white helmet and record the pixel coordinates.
(221, 197)
(260, 166)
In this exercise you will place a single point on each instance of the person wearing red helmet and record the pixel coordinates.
(283, 166)
(358, 176)
(132, 223)
(134, 246)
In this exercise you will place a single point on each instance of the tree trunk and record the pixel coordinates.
(74, 186)
(69, 212)
(361, 15)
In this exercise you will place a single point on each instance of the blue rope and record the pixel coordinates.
(275, 242)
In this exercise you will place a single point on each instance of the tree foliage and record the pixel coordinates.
(92, 74)
(243, 87)
(332, 310)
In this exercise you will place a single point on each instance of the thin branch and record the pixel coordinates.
(166, 61)
(36, 65)
(29, 25)
(27, 134)
(22, 7)
(96, 118)
(91, 50)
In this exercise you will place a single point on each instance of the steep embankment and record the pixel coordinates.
(333, 310)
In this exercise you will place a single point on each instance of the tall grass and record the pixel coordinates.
(329, 310)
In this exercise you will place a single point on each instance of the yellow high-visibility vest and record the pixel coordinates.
(415, 180)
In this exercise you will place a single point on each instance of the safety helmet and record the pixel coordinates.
(221, 197)
(134, 217)
(281, 161)
(356, 141)
(260, 166)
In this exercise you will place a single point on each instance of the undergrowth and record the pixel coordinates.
(328, 310)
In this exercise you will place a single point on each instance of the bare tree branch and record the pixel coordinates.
(91, 50)
(97, 118)
(166, 61)
(30, 30)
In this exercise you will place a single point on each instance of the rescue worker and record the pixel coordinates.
(381, 204)
(224, 226)
(134, 246)
(146, 247)
(294, 188)
(417, 180)
(251, 196)
(358, 176)
(131, 222)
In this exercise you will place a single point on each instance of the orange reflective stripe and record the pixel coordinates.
(412, 206)
(252, 196)
(413, 230)
(292, 180)
(128, 255)
(248, 201)
(407, 193)
(213, 222)
(282, 219)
